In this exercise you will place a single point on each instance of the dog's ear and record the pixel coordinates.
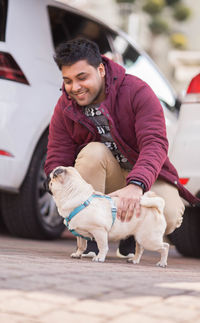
(59, 174)
(46, 184)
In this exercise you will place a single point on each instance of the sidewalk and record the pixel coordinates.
(40, 283)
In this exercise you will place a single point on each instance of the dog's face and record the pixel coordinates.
(62, 178)
(56, 179)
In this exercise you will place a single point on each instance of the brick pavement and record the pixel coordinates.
(39, 283)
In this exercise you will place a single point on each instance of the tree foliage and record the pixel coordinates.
(178, 40)
(125, 1)
(154, 7)
(157, 9)
(172, 2)
(181, 12)
(158, 26)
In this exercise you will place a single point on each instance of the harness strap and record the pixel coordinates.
(84, 205)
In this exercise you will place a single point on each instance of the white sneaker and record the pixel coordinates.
(130, 255)
(91, 250)
(90, 254)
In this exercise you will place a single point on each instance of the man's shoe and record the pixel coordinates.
(92, 249)
(126, 248)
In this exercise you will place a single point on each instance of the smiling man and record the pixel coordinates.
(110, 126)
(83, 84)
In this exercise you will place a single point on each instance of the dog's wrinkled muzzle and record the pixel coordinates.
(57, 172)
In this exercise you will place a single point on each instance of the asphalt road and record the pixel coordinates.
(39, 282)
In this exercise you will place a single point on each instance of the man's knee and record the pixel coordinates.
(174, 207)
(93, 152)
(174, 218)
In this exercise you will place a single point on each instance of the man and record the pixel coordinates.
(111, 127)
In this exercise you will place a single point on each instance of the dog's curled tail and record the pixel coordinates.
(150, 199)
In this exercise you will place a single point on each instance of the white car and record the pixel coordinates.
(185, 155)
(29, 89)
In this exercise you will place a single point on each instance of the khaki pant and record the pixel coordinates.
(98, 167)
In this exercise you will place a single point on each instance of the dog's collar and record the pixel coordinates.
(84, 205)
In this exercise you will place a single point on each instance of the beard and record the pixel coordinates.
(93, 98)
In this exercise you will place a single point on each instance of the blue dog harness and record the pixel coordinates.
(85, 204)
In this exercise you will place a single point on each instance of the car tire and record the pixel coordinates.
(32, 213)
(187, 238)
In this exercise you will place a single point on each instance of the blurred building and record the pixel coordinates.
(182, 64)
(105, 10)
(186, 63)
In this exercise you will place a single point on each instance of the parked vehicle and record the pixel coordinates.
(29, 89)
(185, 154)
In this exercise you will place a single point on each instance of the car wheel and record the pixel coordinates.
(187, 238)
(32, 213)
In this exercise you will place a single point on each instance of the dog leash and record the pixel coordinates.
(84, 205)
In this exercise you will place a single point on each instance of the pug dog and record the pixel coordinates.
(95, 219)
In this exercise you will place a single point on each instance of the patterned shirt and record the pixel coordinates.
(95, 115)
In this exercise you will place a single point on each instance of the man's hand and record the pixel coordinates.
(129, 200)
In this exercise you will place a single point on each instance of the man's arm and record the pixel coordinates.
(150, 130)
(152, 143)
(61, 149)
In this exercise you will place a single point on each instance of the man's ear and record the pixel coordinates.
(101, 70)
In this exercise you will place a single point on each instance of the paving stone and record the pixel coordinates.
(170, 311)
(190, 302)
(138, 317)
(50, 296)
(197, 319)
(195, 294)
(24, 306)
(6, 294)
(64, 316)
(22, 284)
(40, 283)
(85, 287)
(191, 286)
(153, 291)
(96, 307)
(10, 318)
(137, 302)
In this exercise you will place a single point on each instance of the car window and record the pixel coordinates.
(66, 25)
(3, 18)
(141, 66)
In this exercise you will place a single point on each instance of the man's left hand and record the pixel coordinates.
(129, 202)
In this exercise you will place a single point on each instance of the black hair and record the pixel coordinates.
(72, 51)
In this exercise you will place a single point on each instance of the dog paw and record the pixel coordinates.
(75, 255)
(161, 264)
(133, 261)
(98, 259)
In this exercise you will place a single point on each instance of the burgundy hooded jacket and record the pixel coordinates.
(137, 126)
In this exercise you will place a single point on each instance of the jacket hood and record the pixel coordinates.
(115, 74)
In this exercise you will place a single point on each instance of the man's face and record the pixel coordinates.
(84, 83)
